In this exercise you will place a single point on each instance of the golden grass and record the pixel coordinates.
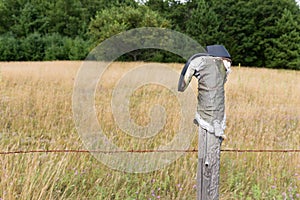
(263, 111)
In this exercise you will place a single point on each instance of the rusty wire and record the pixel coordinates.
(150, 151)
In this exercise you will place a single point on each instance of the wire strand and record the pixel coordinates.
(150, 151)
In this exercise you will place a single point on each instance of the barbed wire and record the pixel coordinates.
(150, 151)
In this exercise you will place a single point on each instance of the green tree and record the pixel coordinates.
(112, 21)
(77, 48)
(283, 50)
(9, 47)
(256, 33)
(55, 47)
(246, 27)
(8, 14)
(109, 22)
(176, 12)
(30, 19)
(32, 48)
(67, 17)
(204, 24)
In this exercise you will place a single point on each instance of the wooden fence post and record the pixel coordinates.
(211, 70)
(208, 172)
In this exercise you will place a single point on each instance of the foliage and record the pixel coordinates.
(109, 22)
(36, 47)
(174, 11)
(283, 50)
(256, 33)
(248, 26)
(114, 20)
(204, 24)
(9, 47)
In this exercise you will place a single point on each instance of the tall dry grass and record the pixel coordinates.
(263, 111)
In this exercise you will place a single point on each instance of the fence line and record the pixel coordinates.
(151, 151)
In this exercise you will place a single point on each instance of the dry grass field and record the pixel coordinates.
(263, 112)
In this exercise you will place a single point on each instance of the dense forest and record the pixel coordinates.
(261, 33)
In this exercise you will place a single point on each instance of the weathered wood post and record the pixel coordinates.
(208, 166)
(211, 70)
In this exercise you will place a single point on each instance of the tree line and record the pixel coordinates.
(256, 33)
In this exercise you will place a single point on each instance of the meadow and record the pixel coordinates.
(263, 112)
